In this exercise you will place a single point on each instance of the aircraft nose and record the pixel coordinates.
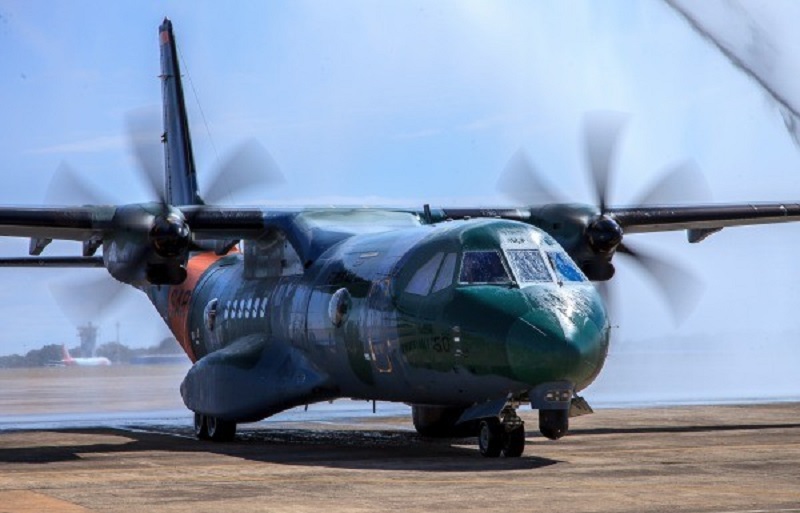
(563, 337)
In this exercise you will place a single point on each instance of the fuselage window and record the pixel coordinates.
(483, 267)
(420, 283)
(445, 276)
(565, 268)
(528, 265)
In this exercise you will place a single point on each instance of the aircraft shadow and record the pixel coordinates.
(681, 429)
(346, 449)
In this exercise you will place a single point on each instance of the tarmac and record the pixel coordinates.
(725, 459)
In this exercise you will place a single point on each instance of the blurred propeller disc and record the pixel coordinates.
(682, 183)
(144, 139)
(521, 182)
(84, 300)
(679, 287)
(68, 188)
(601, 134)
(248, 166)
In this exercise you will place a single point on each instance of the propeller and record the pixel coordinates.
(591, 234)
(247, 166)
(154, 238)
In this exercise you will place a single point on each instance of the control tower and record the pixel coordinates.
(88, 335)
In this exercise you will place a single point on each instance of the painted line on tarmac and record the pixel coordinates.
(787, 510)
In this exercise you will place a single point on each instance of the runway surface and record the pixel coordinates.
(699, 458)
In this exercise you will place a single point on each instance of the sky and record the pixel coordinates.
(413, 102)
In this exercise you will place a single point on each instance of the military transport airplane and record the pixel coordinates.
(463, 313)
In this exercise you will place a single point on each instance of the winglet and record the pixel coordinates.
(181, 182)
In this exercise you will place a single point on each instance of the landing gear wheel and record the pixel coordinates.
(220, 430)
(553, 423)
(490, 438)
(514, 442)
(200, 428)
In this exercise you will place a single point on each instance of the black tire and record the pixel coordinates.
(514, 442)
(220, 430)
(200, 428)
(490, 438)
(553, 424)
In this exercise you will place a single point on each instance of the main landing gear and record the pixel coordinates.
(213, 428)
(504, 434)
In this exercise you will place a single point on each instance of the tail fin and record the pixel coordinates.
(181, 182)
(66, 357)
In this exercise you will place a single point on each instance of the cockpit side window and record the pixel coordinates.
(484, 267)
(445, 276)
(420, 283)
(528, 265)
(565, 268)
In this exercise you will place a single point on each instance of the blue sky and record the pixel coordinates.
(410, 103)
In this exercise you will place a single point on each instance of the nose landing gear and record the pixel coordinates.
(553, 424)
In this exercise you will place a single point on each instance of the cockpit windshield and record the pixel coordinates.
(565, 268)
(524, 258)
(483, 267)
(528, 265)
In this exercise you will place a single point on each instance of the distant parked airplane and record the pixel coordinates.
(94, 361)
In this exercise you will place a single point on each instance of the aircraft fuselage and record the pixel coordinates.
(394, 315)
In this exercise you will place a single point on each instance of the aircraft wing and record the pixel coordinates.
(703, 217)
(210, 222)
(64, 223)
(305, 228)
(698, 220)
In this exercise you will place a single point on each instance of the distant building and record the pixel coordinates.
(88, 336)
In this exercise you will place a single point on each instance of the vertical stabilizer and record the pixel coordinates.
(181, 183)
(66, 357)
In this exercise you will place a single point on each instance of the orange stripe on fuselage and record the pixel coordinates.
(180, 297)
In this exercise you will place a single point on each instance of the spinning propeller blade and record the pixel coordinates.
(601, 132)
(68, 188)
(680, 183)
(522, 182)
(679, 287)
(86, 299)
(248, 166)
(145, 143)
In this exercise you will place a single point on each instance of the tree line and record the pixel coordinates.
(52, 354)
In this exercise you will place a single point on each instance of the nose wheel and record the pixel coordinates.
(553, 424)
(504, 435)
(215, 429)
